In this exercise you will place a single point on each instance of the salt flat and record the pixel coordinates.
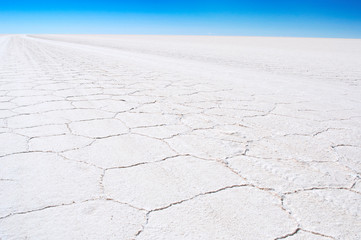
(179, 137)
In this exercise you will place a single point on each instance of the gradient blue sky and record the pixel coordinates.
(307, 18)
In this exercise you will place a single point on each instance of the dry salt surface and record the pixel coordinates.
(179, 137)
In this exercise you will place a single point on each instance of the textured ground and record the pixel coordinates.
(160, 137)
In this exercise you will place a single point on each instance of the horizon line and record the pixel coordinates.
(190, 35)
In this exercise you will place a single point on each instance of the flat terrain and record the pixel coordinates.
(179, 137)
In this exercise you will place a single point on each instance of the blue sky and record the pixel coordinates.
(307, 18)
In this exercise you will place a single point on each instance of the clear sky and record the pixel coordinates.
(306, 18)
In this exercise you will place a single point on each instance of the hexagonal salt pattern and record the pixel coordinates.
(179, 137)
